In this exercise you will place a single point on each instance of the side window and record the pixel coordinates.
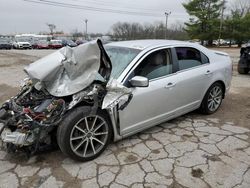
(204, 58)
(155, 65)
(190, 57)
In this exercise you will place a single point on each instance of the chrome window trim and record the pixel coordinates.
(196, 67)
(163, 77)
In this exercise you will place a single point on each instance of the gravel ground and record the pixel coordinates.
(190, 151)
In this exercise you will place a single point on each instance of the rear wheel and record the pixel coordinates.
(213, 99)
(82, 136)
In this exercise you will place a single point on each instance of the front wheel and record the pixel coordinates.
(83, 136)
(213, 99)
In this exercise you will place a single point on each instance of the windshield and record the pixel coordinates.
(120, 58)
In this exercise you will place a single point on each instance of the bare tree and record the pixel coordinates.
(52, 28)
(131, 31)
(76, 34)
(241, 6)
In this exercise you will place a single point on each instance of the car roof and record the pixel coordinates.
(143, 44)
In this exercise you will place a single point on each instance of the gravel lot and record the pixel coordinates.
(190, 151)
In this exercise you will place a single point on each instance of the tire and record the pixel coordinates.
(212, 99)
(81, 141)
(242, 70)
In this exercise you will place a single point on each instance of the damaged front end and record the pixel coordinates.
(58, 83)
(28, 119)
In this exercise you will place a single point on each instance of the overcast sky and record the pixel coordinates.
(19, 16)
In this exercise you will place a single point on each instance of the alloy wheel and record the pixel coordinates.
(215, 98)
(88, 136)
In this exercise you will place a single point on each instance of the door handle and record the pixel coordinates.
(208, 72)
(170, 85)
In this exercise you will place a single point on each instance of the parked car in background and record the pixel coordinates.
(21, 44)
(42, 44)
(34, 45)
(55, 44)
(5, 44)
(79, 42)
(244, 62)
(144, 83)
(69, 43)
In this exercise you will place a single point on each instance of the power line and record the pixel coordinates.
(90, 7)
(105, 3)
(81, 7)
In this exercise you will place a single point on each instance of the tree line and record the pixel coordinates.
(217, 19)
(209, 20)
(132, 31)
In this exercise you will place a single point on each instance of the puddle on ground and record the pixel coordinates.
(197, 173)
(130, 158)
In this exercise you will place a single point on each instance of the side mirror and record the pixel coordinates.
(139, 81)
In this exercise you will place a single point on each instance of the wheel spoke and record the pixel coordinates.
(92, 145)
(100, 133)
(80, 129)
(98, 141)
(93, 124)
(211, 95)
(214, 107)
(217, 101)
(209, 100)
(99, 126)
(80, 144)
(216, 89)
(214, 92)
(218, 97)
(77, 138)
(210, 104)
(86, 123)
(219, 94)
(86, 147)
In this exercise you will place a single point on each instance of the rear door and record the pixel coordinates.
(192, 79)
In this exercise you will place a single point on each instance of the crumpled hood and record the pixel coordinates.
(70, 70)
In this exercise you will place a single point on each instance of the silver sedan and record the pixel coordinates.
(167, 78)
(91, 95)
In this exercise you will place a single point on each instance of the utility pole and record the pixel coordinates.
(167, 15)
(221, 20)
(86, 29)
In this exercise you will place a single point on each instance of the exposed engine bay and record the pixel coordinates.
(57, 84)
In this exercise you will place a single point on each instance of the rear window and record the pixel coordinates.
(190, 57)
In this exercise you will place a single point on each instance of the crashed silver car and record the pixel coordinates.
(85, 97)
